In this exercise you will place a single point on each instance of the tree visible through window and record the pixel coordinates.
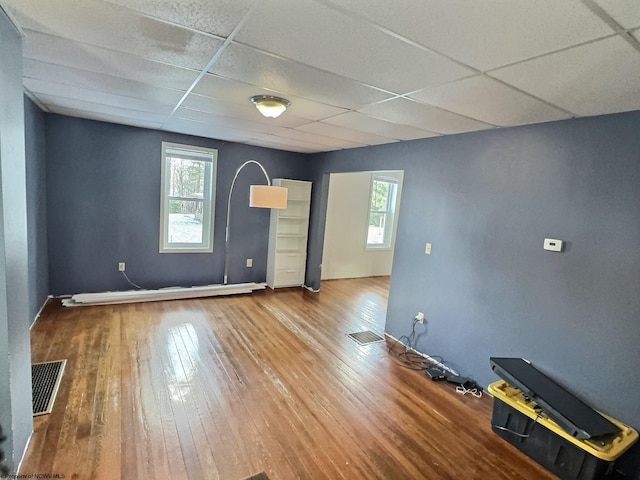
(187, 198)
(381, 211)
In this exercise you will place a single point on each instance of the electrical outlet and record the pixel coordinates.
(249, 262)
(121, 266)
(420, 317)
(427, 249)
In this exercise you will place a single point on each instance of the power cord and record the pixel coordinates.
(130, 282)
(472, 390)
(408, 357)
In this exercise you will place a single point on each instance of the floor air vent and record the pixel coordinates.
(366, 337)
(45, 380)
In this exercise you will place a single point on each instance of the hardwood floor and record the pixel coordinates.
(226, 387)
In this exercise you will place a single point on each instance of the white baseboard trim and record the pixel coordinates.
(49, 297)
(24, 453)
(175, 293)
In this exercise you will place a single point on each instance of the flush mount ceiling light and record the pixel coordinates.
(270, 106)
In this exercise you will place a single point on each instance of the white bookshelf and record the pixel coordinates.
(288, 231)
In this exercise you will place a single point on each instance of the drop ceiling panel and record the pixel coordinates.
(592, 79)
(94, 22)
(353, 136)
(228, 109)
(346, 46)
(94, 110)
(41, 89)
(383, 128)
(218, 18)
(73, 77)
(490, 101)
(302, 136)
(625, 12)
(191, 127)
(246, 64)
(283, 143)
(46, 48)
(240, 93)
(228, 122)
(103, 117)
(489, 33)
(425, 117)
(348, 66)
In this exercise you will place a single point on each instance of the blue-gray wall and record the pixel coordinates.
(36, 169)
(15, 353)
(486, 201)
(103, 196)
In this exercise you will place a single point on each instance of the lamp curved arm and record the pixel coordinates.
(226, 231)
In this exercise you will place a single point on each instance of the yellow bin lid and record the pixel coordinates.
(608, 451)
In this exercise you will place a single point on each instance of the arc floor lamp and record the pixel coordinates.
(260, 196)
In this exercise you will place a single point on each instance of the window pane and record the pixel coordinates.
(380, 195)
(185, 221)
(375, 234)
(381, 212)
(187, 178)
(187, 198)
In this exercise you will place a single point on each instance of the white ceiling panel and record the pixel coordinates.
(353, 136)
(218, 18)
(249, 65)
(228, 109)
(383, 128)
(346, 47)
(357, 72)
(240, 93)
(592, 79)
(485, 34)
(490, 101)
(283, 143)
(54, 104)
(94, 22)
(302, 136)
(192, 127)
(73, 77)
(43, 88)
(228, 122)
(103, 117)
(107, 62)
(625, 12)
(426, 117)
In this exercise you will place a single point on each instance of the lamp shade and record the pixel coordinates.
(267, 196)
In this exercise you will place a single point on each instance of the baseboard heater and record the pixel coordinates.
(173, 293)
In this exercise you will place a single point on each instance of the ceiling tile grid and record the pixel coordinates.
(592, 79)
(341, 45)
(487, 34)
(490, 101)
(423, 116)
(357, 72)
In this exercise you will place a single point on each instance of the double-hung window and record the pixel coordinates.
(382, 207)
(187, 198)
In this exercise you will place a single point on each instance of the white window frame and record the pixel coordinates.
(210, 157)
(389, 212)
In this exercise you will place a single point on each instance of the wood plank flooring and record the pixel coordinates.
(227, 387)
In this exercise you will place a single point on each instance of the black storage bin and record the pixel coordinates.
(517, 420)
